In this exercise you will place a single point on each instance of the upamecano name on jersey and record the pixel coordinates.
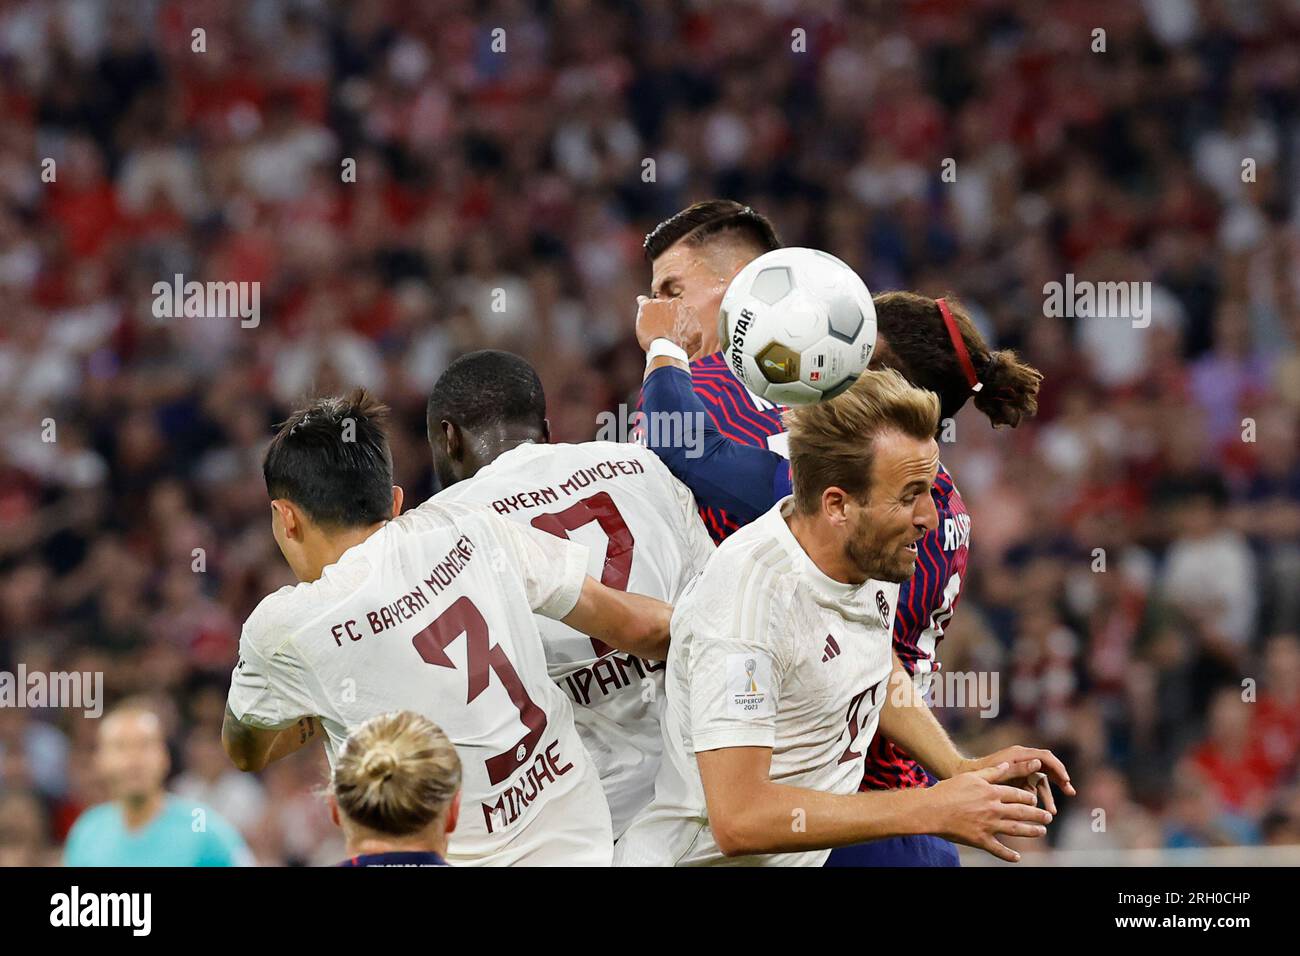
(608, 674)
(407, 605)
(576, 482)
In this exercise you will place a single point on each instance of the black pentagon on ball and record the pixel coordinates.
(845, 318)
(772, 285)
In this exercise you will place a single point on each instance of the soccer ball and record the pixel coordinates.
(797, 326)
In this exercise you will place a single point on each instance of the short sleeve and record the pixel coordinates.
(269, 691)
(699, 546)
(737, 662)
(553, 569)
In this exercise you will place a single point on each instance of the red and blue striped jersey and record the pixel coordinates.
(925, 602)
(739, 415)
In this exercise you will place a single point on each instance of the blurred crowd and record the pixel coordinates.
(1135, 572)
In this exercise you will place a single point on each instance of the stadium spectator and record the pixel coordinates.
(1234, 761)
(1105, 817)
(210, 780)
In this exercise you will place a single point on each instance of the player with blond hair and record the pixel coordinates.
(781, 667)
(395, 792)
(740, 468)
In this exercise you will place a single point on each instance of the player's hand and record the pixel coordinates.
(977, 807)
(667, 319)
(1035, 770)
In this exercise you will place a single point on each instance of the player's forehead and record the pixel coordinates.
(663, 271)
(678, 263)
(901, 459)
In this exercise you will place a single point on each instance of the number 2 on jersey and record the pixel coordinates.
(600, 508)
(855, 725)
(483, 658)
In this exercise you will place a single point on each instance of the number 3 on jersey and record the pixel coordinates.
(483, 658)
(600, 508)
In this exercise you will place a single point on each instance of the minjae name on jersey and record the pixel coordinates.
(525, 789)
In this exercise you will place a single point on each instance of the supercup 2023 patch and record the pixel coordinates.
(749, 686)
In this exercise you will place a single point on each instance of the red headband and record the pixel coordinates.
(959, 346)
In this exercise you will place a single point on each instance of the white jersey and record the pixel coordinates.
(645, 535)
(434, 613)
(767, 651)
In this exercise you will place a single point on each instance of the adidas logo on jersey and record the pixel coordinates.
(832, 649)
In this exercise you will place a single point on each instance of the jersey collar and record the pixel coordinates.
(838, 590)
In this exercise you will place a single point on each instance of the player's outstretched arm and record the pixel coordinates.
(741, 479)
(251, 748)
(749, 813)
(908, 721)
(632, 623)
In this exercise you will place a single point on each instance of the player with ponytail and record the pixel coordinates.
(934, 344)
(737, 473)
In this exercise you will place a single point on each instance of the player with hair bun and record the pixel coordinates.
(395, 792)
(936, 346)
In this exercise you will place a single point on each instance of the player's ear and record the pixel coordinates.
(453, 813)
(334, 811)
(288, 516)
(398, 498)
(834, 505)
(455, 445)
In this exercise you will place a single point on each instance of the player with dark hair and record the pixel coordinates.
(694, 255)
(490, 441)
(431, 611)
(781, 666)
(492, 401)
(328, 469)
(743, 470)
